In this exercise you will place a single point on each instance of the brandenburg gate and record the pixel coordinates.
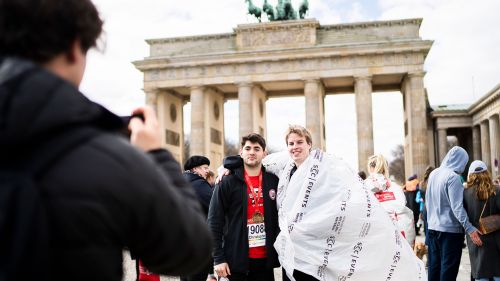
(288, 58)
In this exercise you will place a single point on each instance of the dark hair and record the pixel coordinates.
(39, 30)
(427, 173)
(254, 138)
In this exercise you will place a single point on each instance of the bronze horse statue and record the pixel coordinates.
(303, 8)
(284, 10)
(254, 10)
(268, 10)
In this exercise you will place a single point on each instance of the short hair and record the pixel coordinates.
(39, 30)
(254, 138)
(379, 164)
(299, 130)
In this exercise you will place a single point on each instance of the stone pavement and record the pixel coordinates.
(130, 275)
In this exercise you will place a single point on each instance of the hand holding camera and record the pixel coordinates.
(145, 132)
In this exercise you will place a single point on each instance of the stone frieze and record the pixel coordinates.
(284, 66)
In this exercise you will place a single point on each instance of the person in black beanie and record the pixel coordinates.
(195, 172)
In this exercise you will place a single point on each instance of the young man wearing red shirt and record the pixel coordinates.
(244, 219)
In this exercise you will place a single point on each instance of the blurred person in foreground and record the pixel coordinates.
(481, 199)
(446, 217)
(104, 193)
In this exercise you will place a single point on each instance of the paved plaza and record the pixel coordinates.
(463, 274)
(464, 271)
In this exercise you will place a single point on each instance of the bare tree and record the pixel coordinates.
(397, 165)
(187, 142)
(231, 147)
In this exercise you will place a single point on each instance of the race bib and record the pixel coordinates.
(385, 196)
(256, 235)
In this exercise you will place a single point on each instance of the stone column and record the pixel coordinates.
(252, 105)
(207, 124)
(197, 144)
(416, 118)
(364, 117)
(443, 144)
(485, 144)
(476, 143)
(245, 106)
(314, 92)
(494, 143)
(170, 117)
(152, 99)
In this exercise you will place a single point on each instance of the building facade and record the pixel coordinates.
(475, 127)
(288, 58)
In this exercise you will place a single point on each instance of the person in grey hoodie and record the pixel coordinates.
(446, 216)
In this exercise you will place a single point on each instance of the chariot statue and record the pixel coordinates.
(284, 10)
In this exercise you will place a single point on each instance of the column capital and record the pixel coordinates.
(242, 84)
(151, 90)
(415, 74)
(364, 77)
(312, 80)
(151, 99)
(197, 87)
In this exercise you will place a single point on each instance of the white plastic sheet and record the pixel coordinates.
(393, 200)
(332, 226)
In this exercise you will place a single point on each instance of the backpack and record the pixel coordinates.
(24, 229)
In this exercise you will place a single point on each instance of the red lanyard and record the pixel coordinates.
(258, 194)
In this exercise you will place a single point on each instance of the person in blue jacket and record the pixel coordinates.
(446, 216)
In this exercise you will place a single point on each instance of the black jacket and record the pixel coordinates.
(104, 195)
(227, 218)
(202, 189)
(484, 260)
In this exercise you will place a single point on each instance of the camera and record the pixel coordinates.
(126, 120)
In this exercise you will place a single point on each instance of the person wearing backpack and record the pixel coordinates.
(73, 191)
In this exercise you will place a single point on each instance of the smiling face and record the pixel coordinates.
(298, 148)
(252, 154)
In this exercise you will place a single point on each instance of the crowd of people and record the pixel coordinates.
(76, 192)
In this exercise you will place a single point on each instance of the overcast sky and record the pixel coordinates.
(463, 64)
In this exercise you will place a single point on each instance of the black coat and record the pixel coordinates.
(412, 204)
(104, 195)
(202, 188)
(484, 260)
(227, 218)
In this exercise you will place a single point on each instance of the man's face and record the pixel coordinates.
(202, 170)
(252, 154)
(298, 148)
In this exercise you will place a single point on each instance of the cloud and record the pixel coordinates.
(464, 50)
(356, 13)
